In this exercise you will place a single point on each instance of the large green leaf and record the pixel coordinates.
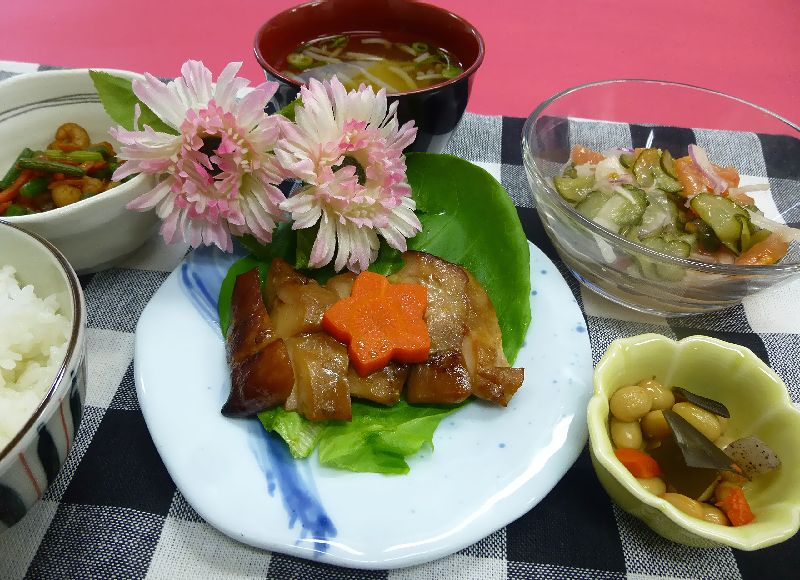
(468, 218)
(300, 434)
(119, 101)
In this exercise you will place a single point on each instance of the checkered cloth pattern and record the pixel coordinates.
(114, 512)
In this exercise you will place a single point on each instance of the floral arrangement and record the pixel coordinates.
(220, 160)
(360, 203)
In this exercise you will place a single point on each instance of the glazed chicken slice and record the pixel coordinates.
(384, 386)
(261, 373)
(320, 369)
(482, 347)
(295, 302)
(442, 380)
(465, 337)
(312, 369)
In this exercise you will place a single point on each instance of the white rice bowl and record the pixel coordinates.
(33, 345)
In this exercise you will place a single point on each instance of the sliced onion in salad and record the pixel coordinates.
(617, 151)
(760, 220)
(700, 158)
(749, 188)
(610, 172)
(625, 178)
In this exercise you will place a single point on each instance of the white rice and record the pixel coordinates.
(33, 344)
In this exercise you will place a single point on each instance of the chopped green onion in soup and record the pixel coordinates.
(358, 58)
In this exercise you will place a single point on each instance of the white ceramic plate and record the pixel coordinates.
(490, 465)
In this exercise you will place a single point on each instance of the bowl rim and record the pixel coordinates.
(615, 239)
(67, 210)
(446, 83)
(73, 346)
(598, 437)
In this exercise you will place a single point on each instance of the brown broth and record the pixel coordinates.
(397, 64)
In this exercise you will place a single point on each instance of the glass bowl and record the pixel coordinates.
(648, 113)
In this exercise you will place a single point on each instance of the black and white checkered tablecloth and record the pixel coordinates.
(114, 512)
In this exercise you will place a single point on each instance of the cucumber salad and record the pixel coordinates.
(686, 207)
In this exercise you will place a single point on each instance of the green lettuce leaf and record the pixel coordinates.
(377, 440)
(301, 435)
(116, 94)
(289, 110)
(283, 245)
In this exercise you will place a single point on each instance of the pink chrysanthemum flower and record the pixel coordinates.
(219, 173)
(347, 148)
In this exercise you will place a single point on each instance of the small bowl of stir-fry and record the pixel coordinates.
(56, 168)
(666, 198)
(70, 169)
(698, 439)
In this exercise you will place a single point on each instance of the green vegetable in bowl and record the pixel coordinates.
(686, 208)
(69, 170)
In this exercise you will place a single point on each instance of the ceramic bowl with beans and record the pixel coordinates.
(632, 391)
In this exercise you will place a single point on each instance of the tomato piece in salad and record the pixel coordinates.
(765, 252)
(694, 180)
(581, 155)
(729, 174)
(690, 177)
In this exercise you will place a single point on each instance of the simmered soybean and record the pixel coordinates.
(630, 403)
(700, 419)
(627, 435)
(662, 396)
(687, 505)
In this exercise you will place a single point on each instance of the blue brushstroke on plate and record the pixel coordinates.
(296, 484)
(202, 273)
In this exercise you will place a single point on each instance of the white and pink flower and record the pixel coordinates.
(219, 175)
(347, 149)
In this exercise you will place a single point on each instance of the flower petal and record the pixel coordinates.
(162, 99)
(324, 244)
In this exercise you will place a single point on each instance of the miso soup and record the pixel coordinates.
(372, 59)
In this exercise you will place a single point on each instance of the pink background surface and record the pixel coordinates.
(535, 48)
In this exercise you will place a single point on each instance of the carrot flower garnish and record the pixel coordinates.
(380, 322)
